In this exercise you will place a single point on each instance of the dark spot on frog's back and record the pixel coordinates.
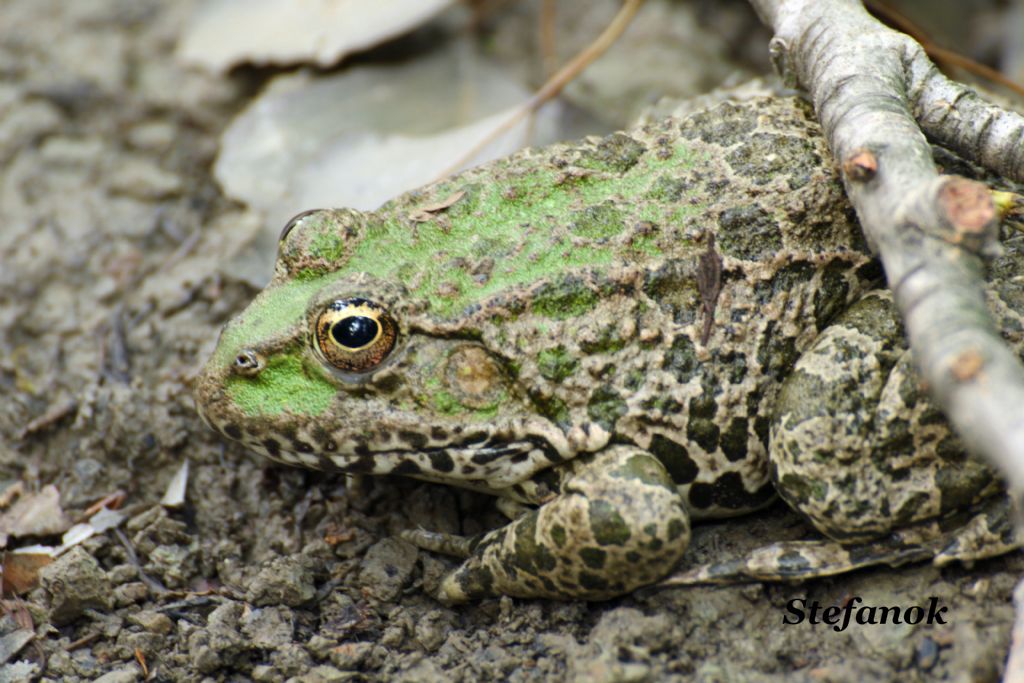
(273, 447)
(606, 407)
(617, 152)
(734, 440)
(728, 492)
(566, 298)
(675, 458)
(233, 431)
(764, 156)
(777, 353)
(725, 125)
(681, 359)
(670, 188)
(784, 282)
(830, 297)
(748, 232)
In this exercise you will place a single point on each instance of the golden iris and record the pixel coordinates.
(355, 335)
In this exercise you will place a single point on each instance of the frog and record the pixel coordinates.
(616, 337)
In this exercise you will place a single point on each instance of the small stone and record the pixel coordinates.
(71, 152)
(119, 676)
(284, 581)
(350, 656)
(393, 636)
(122, 573)
(149, 644)
(327, 674)
(432, 630)
(75, 583)
(143, 179)
(205, 660)
(269, 627)
(264, 673)
(387, 568)
(156, 136)
(130, 593)
(291, 659)
(152, 621)
(320, 647)
(927, 653)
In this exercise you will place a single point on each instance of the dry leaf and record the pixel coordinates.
(21, 570)
(223, 33)
(35, 514)
(425, 213)
(174, 496)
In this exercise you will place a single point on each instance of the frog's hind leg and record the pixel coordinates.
(618, 523)
(858, 448)
(985, 532)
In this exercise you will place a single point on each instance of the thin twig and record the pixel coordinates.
(546, 33)
(939, 53)
(556, 83)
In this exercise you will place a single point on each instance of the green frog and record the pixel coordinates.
(616, 337)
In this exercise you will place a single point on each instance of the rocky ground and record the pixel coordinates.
(112, 240)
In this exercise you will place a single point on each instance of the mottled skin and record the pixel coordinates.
(553, 348)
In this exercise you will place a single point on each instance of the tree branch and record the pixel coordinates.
(877, 95)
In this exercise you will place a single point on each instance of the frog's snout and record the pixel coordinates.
(209, 397)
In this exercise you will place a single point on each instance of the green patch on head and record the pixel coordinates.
(601, 220)
(514, 224)
(283, 386)
(275, 312)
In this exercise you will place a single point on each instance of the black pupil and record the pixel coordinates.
(355, 331)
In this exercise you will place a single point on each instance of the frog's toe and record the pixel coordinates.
(437, 542)
(801, 560)
(990, 532)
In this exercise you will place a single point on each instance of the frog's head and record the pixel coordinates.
(337, 368)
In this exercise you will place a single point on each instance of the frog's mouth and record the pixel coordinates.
(497, 456)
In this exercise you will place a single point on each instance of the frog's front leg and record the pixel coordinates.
(618, 523)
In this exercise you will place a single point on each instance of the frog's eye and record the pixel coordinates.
(355, 335)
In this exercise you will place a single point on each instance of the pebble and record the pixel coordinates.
(75, 583)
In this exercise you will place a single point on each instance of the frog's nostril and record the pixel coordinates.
(248, 363)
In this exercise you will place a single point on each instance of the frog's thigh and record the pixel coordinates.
(618, 524)
(855, 444)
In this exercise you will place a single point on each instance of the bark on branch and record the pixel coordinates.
(877, 96)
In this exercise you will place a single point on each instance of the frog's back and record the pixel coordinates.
(755, 177)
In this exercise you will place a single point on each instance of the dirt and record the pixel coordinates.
(112, 241)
